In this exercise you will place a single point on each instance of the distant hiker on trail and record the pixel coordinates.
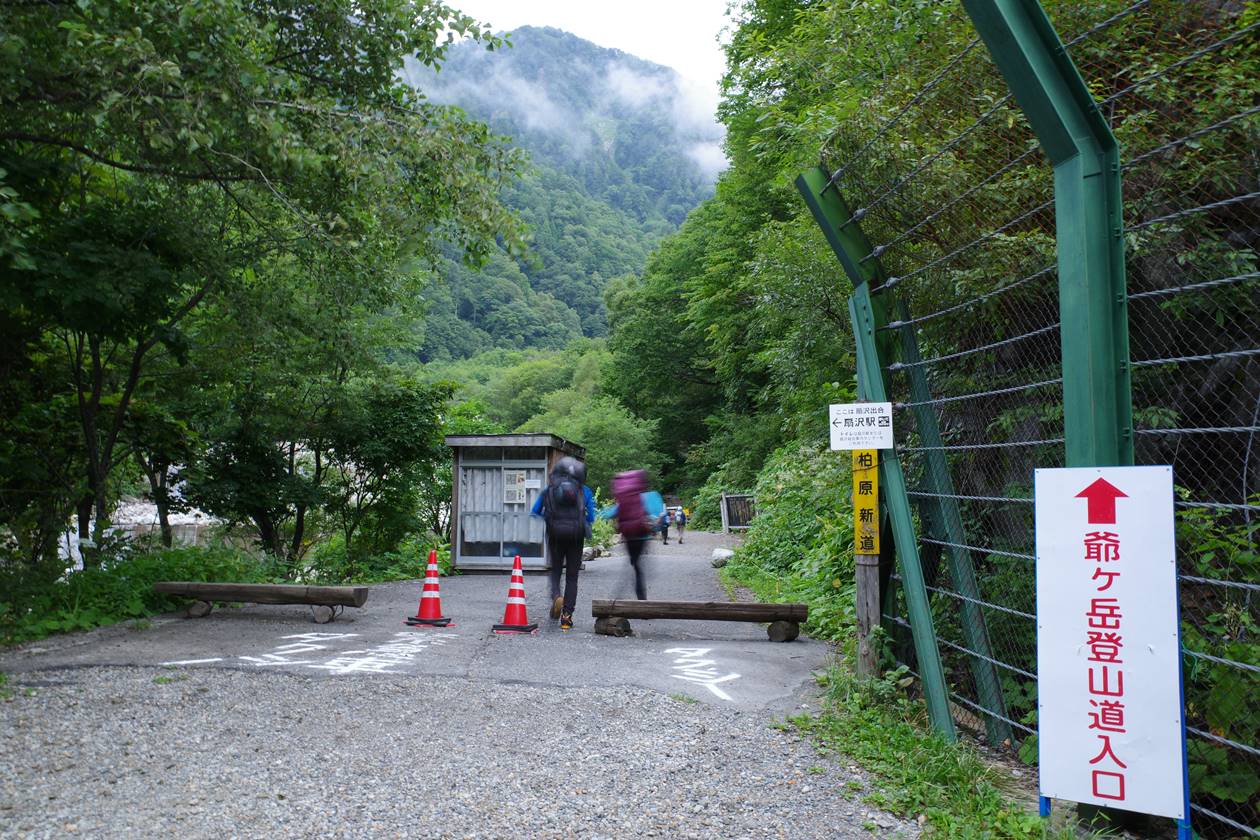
(680, 519)
(568, 507)
(635, 511)
(664, 526)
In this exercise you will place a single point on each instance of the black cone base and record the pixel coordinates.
(514, 628)
(416, 621)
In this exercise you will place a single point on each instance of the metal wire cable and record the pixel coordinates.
(1189, 59)
(1229, 584)
(1215, 505)
(1214, 430)
(1006, 445)
(1194, 135)
(1226, 741)
(999, 499)
(1202, 357)
(980, 549)
(1242, 666)
(1231, 823)
(987, 604)
(892, 325)
(993, 393)
(1190, 211)
(1197, 287)
(895, 366)
(969, 652)
(1093, 30)
(982, 710)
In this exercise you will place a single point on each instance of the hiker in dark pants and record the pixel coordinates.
(665, 526)
(636, 512)
(568, 506)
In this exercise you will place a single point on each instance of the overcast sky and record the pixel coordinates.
(681, 34)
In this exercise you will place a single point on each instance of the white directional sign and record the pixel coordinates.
(1110, 726)
(865, 425)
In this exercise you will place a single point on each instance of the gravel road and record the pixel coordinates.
(109, 750)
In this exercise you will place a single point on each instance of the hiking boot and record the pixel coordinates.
(557, 605)
(566, 621)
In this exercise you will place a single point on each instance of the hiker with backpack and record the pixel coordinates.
(664, 524)
(567, 505)
(635, 511)
(680, 520)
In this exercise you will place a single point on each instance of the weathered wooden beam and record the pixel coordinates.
(702, 610)
(267, 593)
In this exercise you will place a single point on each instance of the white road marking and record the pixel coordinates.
(693, 667)
(192, 661)
(382, 658)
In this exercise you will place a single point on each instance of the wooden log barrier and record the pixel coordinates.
(784, 619)
(325, 601)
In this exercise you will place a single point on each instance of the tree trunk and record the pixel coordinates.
(299, 529)
(102, 514)
(268, 534)
(164, 522)
(158, 476)
(83, 512)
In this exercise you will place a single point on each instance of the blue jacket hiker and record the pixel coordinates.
(568, 507)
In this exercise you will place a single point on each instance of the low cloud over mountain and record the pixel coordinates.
(574, 94)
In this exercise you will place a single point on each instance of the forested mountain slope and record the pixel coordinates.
(620, 151)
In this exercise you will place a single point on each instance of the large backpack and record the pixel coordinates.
(565, 506)
(632, 518)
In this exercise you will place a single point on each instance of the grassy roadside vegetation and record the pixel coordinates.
(35, 603)
(45, 600)
(800, 549)
(949, 788)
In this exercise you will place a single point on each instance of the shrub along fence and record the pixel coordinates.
(991, 225)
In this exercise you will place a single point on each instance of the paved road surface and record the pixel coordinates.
(256, 722)
(741, 666)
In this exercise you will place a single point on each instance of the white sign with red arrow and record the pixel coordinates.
(1110, 723)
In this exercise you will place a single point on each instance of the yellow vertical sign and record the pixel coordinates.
(866, 501)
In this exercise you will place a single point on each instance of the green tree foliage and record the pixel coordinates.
(614, 439)
(558, 392)
(384, 439)
(159, 159)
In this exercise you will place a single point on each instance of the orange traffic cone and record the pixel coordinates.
(430, 612)
(514, 618)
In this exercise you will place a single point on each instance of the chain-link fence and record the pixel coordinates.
(949, 184)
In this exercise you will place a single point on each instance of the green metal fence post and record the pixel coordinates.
(1094, 331)
(893, 482)
(941, 510)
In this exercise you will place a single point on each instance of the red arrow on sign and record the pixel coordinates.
(1101, 500)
